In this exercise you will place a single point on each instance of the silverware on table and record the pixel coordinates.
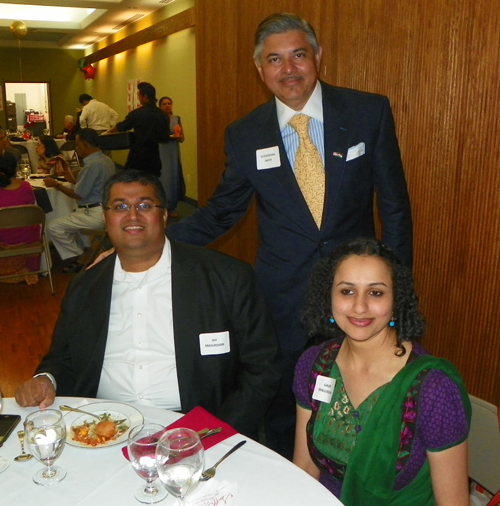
(99, 417)
(210, 472)
(24, 456)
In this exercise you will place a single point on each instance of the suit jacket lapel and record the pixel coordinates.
(336, 129)
(182, 266)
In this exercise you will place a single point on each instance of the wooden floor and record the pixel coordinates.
(28, 315)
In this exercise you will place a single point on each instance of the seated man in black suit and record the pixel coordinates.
(161, 323)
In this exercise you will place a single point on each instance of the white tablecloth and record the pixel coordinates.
(98, 477)
(30, 146)
(62, 205)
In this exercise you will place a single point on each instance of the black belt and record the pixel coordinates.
(88, 206)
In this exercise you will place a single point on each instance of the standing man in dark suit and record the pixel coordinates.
(150, 127)
(161, 323)
(355, 155)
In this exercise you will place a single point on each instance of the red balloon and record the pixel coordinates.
(89, 72)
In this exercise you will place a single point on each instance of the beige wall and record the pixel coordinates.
(169, 65)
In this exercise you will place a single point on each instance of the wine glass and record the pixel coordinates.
(45, 434)
(180, 459)
(4, 463)
(142, 442)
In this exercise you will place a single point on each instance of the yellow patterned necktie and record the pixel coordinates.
(309, 169)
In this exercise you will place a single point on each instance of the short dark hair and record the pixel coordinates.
(84, 97)
(51, 148)
(164, 98)
(148, 90)
(318, 301)
(281, 23)
(8, 167)
(90, 136)
(136, 176)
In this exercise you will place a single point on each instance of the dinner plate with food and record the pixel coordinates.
(100, 424)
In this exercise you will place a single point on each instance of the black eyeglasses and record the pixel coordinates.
(142, 207)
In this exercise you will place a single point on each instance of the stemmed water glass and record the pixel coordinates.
(45, 435)
(142, 442)
(180, 460)
(4, 463)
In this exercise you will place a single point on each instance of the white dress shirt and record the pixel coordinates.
(313, 109)
(139, 361)
(98, 115)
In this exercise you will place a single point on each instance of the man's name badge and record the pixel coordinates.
(268, 158)
(323, 390)
(215, 343)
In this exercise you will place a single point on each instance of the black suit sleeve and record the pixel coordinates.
(390, 184)
(259, 361)
(225, 208)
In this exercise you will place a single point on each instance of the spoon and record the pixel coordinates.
(24, 456)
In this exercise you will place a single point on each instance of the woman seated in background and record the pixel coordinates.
(16, 192)
(379, 421)
(50, 158)
(171, 177)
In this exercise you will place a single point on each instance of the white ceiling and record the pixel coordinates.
(62, 32)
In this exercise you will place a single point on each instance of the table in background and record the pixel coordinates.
(30, 146)
(103, 477)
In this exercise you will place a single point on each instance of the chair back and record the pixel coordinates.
(22, 216)
(484, 445)
(25, 216)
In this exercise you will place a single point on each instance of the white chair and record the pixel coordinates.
(484, 445)
(25, 216)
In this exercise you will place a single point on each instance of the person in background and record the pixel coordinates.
(304, 209)
(6, 146)
(161, 323)
(150, 126)
(50, 158)
(88, 192)
(70, 129)
(16, 192)
(379, 421)
(170, 155)
(96, 115)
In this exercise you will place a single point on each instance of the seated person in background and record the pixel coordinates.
(88, 192)
(6, 146)
(70, 130)
(204, 335)
(379, 421)
(50, 158)
(16, 192)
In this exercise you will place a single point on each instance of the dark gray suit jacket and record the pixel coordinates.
(211, 292)
(289, 241)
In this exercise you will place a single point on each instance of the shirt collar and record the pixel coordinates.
(161, 268)
(313, 108)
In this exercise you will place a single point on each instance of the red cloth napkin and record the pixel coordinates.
(198, 419)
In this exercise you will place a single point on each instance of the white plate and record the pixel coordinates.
(118, 410)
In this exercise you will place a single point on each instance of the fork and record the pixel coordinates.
(210, 472)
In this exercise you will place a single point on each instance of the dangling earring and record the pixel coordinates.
(331, 320)
(392, 323)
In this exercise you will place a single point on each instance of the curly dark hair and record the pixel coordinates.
(410, 325)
